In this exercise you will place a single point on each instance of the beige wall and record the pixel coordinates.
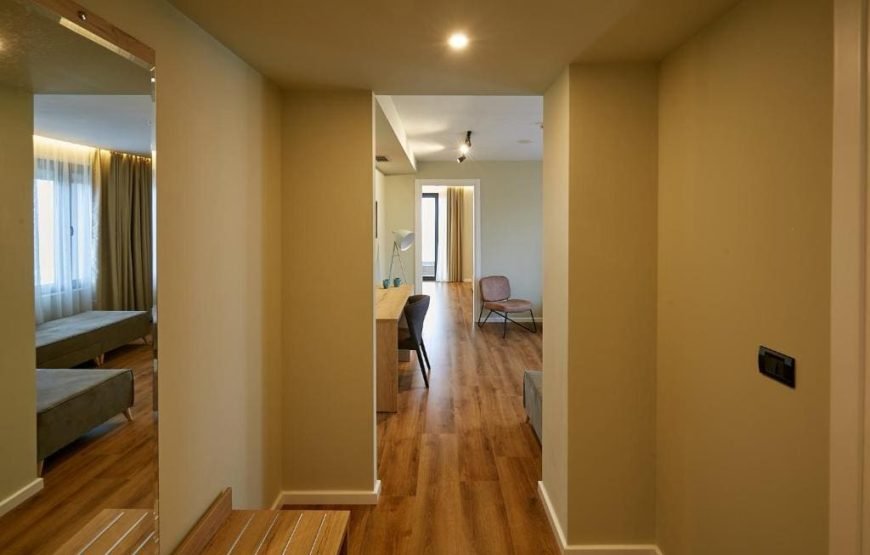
(744, 242)
(612, 303)
(555, 197)
(399, 214)
(17, 348)
(328, 168)
(600, 176)
(218, 256)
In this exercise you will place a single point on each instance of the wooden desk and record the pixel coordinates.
(389, 304)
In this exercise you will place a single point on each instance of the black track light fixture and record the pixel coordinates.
(464, 148)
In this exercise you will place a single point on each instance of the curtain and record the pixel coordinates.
(64, 228)
(441, 265)
(455, 213)
(124, 279)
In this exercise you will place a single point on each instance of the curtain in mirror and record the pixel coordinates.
(125, 260)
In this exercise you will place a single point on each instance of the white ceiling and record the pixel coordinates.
(399, 46)
(115, 122)
(503, 127)
(388, 144)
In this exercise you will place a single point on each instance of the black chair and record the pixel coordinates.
(412, 338)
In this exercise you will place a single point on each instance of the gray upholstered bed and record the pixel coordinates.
(87, 336)
(69, 403)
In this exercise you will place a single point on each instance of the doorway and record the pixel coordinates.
(447, 231)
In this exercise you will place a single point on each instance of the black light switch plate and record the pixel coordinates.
(776, 366)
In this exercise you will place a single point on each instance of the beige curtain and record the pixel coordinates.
(455, 200)
(124, 273)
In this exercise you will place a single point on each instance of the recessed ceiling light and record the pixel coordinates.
(458, 41)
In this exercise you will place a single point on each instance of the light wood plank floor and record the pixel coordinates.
(113, 466)
(459, 465)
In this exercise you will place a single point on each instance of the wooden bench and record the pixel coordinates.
(222, 530)
(120, 531)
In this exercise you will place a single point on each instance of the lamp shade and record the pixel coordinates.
(403, 238)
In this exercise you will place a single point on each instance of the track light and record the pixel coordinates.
(464, 148)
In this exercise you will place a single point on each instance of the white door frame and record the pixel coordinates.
(418, 256)
(849, 491)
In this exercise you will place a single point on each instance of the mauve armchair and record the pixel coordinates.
(495, 292)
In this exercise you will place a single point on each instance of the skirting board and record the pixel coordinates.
(20, 496)
(328, 497)
(588, 549)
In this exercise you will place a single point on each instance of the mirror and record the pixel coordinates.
(78, 420)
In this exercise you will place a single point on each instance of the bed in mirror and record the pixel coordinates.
(77, 238)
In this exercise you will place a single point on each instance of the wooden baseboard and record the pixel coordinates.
(632, 549)
(328, 497)
(20, 496)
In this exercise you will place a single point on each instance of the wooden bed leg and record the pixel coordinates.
(100, 360)
(39, 467)
(128, 413)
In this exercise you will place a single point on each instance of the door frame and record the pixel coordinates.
(849, 468)
(477, 261)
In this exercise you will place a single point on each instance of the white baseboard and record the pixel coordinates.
(329, 497)
(641, 549)
(20, 496)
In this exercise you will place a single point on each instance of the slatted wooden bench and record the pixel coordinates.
(223, 530)
(116, 531)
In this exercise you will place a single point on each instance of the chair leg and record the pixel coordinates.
(504, 329)
(485, 320)
(422, 366)
(534, 324)
(426, 356)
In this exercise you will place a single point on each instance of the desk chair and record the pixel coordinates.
(412, 338)
(495, 292)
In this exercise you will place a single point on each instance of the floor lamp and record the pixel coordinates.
(402, 241)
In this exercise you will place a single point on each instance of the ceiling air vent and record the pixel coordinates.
(381, 158)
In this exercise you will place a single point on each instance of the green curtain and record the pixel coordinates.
(124, 273)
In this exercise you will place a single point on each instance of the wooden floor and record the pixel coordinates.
(459, 465)
(113, 466)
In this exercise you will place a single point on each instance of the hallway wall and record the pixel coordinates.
(328, 326)
(744, 260)
(601, 132)
(612, 303)
(17, 341)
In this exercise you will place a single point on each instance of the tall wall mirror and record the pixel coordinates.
(78, 418)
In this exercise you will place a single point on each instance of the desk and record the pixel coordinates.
(389, 304)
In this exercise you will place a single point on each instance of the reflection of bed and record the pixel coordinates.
(69, 403)
(87, 336)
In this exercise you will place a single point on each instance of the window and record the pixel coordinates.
(63, 214)
(429, 235)
(64, 264)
